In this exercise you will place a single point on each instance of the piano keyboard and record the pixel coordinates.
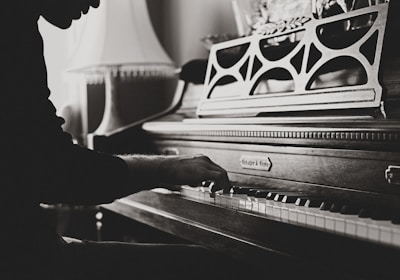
(339, 217)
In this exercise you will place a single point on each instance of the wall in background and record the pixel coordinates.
(64, 86)
(56, 54)
(179, 24)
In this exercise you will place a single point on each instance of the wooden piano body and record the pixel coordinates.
(350, 160)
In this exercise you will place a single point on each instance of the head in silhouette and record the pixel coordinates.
(61, 13)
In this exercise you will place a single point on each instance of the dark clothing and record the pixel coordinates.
(38, 161)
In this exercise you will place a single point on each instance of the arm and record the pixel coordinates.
(176, 170)
(76, 175)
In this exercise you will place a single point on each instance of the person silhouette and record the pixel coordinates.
(39, 163)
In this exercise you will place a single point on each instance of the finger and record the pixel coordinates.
(208, 185)
(220, 180)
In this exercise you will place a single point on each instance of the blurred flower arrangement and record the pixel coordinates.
(268, 17)
(325, 8)
(210, 40)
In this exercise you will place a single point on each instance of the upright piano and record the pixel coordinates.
(309, 132)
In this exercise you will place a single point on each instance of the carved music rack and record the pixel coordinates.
(307, 64)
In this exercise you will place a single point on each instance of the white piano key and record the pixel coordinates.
(293, 215)
(310, 215)
(310, 220)
(255, 205)
(385, 235)
(350, 227)
(269, 209)
(395, 236)
(362, 229)
(329, 222)
(235, 202)
(226, 200)
(306, 215)
(248, 205)
(219, 200)
(339, 224)
(261, 208)
(373, 231)
(276, 211)
(242, 204)
(320, 221)
(301, 217)
(385, 231)
(188, 192)
(200, 195)
(207, 197)
(285, 214)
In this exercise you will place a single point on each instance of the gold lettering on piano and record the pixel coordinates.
(392, 174)
(255, 162)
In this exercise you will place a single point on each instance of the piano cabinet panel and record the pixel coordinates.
(333, 168)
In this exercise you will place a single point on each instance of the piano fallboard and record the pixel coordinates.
(344, 172)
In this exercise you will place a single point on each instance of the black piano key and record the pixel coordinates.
(314, 202)
(294, 197)
(271, 195)
(396, 219)
(365, 213)
(382, 214)
(310, 201)
(261, 194)
(251, 192)
(350, 209)
(300, 201)
(377, 214)
(241, 189)
(290, 198)
(326, 205)
(278, 197)
(336, 206)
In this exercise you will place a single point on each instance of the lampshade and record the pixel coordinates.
(118, 40)
(118, 33)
